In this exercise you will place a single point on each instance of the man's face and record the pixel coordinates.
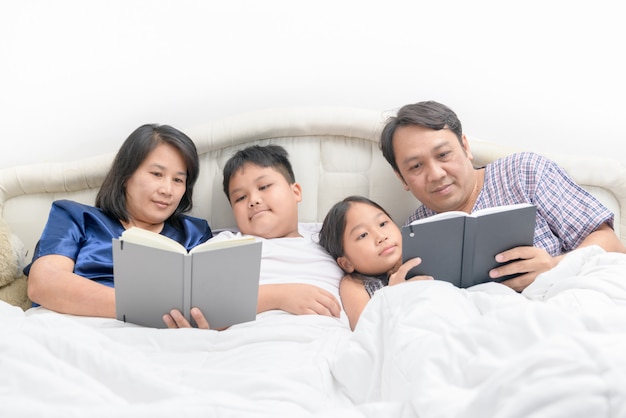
(435, 167)
(264, 203)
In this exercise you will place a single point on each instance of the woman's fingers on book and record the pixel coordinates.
(201, 321)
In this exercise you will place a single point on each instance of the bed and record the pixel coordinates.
(424, 349)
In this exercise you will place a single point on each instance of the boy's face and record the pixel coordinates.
(264, 203)
(372, 243)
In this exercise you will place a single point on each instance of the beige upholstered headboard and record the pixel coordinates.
(334, 152)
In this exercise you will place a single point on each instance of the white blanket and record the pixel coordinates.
(558, 349)
(423, 349)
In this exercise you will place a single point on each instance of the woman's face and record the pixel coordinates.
(372, 242)
(155, 189)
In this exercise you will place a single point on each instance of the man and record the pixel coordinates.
(425, 145)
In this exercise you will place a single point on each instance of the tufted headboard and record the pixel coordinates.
(334, 152)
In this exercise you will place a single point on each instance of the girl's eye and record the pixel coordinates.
(361, 236)
(383, 223)
(177, 180)
(157, 174)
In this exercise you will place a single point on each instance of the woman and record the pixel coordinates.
(150, 186)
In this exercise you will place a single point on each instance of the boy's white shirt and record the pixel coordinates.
(296, 260)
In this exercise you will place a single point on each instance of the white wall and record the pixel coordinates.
(77, 76)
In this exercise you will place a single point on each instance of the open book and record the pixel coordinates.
(154, 274)
(460, 248)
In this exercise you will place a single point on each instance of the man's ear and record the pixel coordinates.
(466, 147)
(345, 264)
(406, 186)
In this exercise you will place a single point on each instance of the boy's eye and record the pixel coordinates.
(238, 199)
(264, 187)
(443, 154)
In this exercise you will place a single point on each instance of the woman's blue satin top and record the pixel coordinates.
(84, 234)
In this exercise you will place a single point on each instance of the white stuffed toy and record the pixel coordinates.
(12, 261)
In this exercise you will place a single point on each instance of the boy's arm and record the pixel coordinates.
(297, 298)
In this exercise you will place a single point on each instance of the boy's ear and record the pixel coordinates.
(345, 264)
(297, 191)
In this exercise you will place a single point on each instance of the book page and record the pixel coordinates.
(439, 217)
(214, 244)
(142, 236)
(497, 209)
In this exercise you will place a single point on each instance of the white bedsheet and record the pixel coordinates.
(423, 349)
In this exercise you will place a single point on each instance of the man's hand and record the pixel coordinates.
(175, 319)
(530, 261)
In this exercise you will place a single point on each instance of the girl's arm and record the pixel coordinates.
(354, 297)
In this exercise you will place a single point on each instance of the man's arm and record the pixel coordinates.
(606, 238)
(534, 261)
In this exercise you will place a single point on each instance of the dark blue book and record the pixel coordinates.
(460, 248)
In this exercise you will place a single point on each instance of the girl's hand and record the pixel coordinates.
(400, 275)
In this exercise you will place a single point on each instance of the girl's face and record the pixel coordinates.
(154, 190)
(372, 242)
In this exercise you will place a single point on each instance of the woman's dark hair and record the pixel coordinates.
(111, 197)
(273, 156)
(334, 225)
(429, 114)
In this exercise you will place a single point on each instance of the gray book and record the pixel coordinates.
(154, 274)
(460, 248)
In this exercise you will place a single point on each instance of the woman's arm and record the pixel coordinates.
(53, 285)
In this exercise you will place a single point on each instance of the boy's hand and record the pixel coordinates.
(400, 275)
(298, 299)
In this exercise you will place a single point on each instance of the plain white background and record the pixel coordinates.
(77, 76)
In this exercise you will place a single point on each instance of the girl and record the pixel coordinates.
(361, 236)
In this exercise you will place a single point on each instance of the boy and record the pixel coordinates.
(297, 275)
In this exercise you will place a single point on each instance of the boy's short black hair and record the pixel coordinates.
(273, 156)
